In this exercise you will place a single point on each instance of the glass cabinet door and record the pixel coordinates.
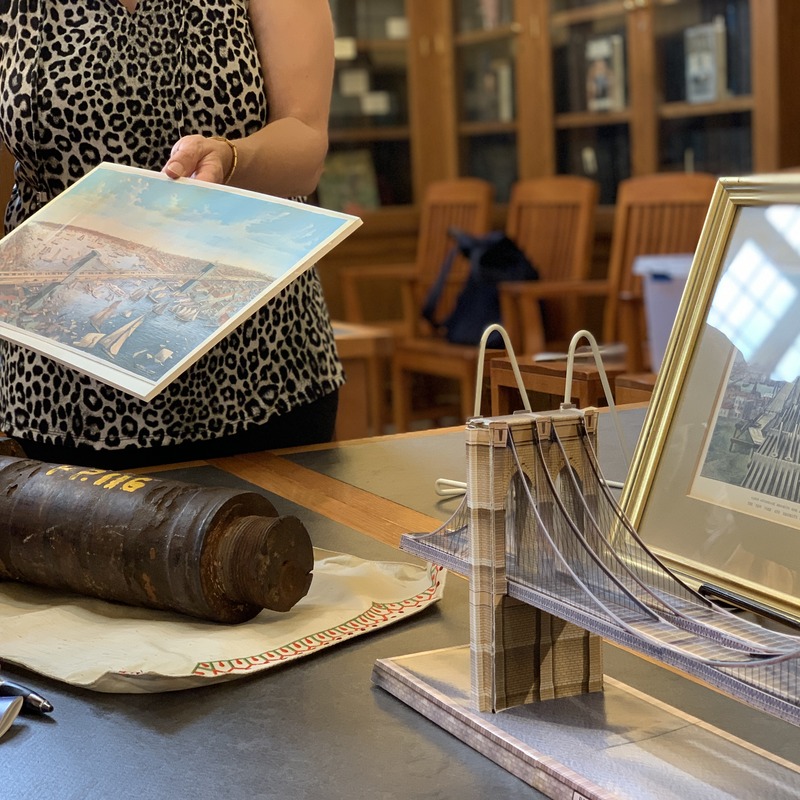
(704, 86)
(510, 89)
(591, 91)
(485, 52)
(369, 161)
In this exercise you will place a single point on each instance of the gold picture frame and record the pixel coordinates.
(714, 485)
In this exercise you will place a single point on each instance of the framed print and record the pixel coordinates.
(130, 277)
(714, 487)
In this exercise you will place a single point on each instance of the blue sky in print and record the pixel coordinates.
(195, 219)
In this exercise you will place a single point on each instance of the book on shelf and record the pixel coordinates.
(673, 70)
(494, 160)
(489, 13)
(491, 95)
(130, 277)
(349, 182)
(396, 28)
(372, 17)
(569, 73)
(504, 85)
(738, 52)
(605, 73)
(705, 51)
(602, 153)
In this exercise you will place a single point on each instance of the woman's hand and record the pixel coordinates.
(285, 158)
(200, 157)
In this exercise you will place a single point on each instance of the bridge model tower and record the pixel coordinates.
(518, 653)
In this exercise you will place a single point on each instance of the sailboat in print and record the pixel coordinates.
(101, 316)
(112, 342)
(89, 339)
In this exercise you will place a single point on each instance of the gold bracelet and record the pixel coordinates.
(234, 152)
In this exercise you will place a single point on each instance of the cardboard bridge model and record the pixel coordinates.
(554, 566)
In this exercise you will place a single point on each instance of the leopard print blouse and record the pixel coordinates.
(85, 81)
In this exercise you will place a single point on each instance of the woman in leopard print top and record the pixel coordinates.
(148, 83)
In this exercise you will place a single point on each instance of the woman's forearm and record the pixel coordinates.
(285, 158)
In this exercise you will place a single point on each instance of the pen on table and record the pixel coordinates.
(31, 701)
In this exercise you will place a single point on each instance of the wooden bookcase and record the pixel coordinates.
(746, 128)
(496, 88)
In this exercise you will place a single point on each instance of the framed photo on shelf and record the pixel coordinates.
(605, 73)
(706, 61)
(714, 487)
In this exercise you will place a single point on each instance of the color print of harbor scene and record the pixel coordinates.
(140, 273)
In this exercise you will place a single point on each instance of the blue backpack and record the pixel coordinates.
(493, 258)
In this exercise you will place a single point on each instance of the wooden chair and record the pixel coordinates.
(552, 220)
(464, 203)
(654, 214)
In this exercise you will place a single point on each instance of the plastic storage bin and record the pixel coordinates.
(664, 278)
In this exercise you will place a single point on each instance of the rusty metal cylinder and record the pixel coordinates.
(214, 553)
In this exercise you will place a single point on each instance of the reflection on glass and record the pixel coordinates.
(756, 301)
(476, 15)
(370, 88)
(487, 78)
(494, 158)
(750, 302)
(566, 5)
(751, 460)
(600, 152)
(370, 19)
(790, 363)
(721, 144)
(786, 220)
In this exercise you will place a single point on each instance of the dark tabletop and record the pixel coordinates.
(315, 728)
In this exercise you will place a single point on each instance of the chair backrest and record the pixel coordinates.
(464, 203)
(553, 220)
(654, 214)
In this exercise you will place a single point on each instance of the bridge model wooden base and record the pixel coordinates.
(610, 745)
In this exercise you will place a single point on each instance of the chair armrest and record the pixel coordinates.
(632, 330)
(379, 271)
(547, 289)
(521, 311)
(355, 279)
